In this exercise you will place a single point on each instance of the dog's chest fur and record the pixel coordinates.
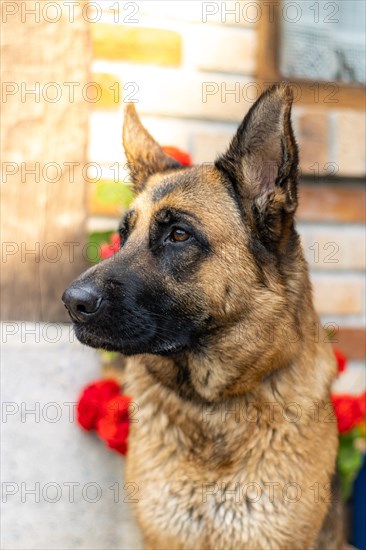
(248, 472)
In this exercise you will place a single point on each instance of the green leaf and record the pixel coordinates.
(349, 461)
(112, 192)
(95, 240)
(349, 458)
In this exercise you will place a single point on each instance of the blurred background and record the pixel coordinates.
(193, 69)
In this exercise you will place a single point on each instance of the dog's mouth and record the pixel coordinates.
(171, 348)
(101, 339)
(130, 323)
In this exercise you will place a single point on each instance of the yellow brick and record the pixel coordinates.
(110, 89)
(137, 44)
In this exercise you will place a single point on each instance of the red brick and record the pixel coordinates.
(352, 342)
(312, 136)
(331, 203)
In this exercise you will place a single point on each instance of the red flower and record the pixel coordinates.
(103, 408)
(341, 359)
(115, 240)
(350, 410)
(177, 154)
(92, 402)
(107, 250)
(113, 427)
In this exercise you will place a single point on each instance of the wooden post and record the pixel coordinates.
(45, 67)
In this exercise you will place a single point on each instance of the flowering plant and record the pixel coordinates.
(103, 408)
(350, 411)
(108, 249)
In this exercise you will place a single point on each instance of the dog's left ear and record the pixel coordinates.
(145, 156)
(262, 159)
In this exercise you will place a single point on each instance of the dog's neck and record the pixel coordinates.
(168, 388)
(233, 366)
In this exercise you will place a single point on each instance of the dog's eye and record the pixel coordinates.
(178, 235)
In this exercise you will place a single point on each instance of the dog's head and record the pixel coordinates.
(203, 248)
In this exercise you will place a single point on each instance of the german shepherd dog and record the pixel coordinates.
(210, 299)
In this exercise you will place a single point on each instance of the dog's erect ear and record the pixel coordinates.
(262, 159)
(145, 156)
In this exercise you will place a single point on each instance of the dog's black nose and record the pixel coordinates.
(83, 303)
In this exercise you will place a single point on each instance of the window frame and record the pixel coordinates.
(330, 95)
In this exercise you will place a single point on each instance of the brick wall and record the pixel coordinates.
(189, 78)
